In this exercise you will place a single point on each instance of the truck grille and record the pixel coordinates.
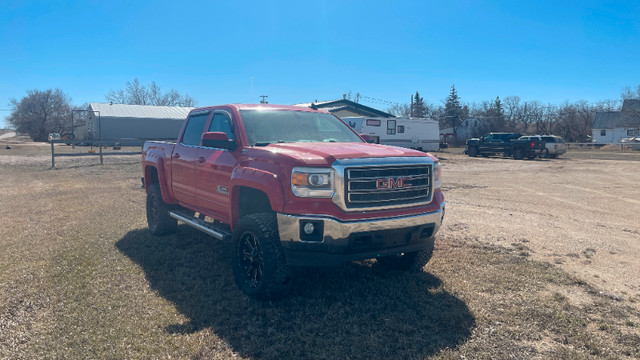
(386, 186)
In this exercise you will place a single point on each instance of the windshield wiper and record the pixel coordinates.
(265, 143)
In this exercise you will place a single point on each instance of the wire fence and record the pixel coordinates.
(99, 148)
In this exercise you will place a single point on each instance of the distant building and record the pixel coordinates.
(611, 126)
(469, 128)
(346, 108)
(118, 121)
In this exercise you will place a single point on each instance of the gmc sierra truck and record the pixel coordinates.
(506, 144)
(292, 186)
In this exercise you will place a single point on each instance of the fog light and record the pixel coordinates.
(308, 228)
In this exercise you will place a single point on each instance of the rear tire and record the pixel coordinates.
(158, 218)
(546, 153)
(413, 261)
(473, 151)
(518, 154)
(259, 265)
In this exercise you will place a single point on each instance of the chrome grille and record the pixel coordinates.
(382, 186)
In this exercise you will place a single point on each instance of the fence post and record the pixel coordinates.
(101, 163)
(53, 161)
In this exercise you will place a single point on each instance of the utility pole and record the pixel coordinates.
(264, 99)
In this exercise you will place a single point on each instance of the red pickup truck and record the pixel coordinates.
(292, 186)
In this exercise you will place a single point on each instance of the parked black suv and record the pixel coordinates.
(505, 144)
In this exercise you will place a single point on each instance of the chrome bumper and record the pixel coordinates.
(336, 244)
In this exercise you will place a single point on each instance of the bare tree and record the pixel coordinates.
(137, 94)
(400, 110)
(40, 113)
(512, 112)
(630, 94)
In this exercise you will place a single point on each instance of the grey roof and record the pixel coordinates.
(344, 104)
(631, 105)
(140, 111)
(615, 119)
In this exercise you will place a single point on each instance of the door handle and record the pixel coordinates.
(201, 160)
(176, 156)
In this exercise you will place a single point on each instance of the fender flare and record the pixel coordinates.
(152, 160)
(267, 182)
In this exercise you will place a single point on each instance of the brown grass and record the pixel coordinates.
(80, 277)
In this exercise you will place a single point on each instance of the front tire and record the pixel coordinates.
(158, 218)
(259, 265)
(413, 261)
(473, 151)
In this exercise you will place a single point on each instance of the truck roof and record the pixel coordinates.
(263, 106)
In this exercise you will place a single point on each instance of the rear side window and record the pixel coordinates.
(193, 131)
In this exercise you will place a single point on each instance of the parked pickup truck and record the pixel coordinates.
(505, 144)
(292, 186)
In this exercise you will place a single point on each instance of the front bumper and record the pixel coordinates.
(335, 241)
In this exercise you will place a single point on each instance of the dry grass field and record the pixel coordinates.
(537, 259)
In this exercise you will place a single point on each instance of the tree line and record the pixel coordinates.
(42, 112)
(571, 120)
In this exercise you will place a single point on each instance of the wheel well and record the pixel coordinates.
(150, 176)
(252, 201)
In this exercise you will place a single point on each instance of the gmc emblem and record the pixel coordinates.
(392, 183)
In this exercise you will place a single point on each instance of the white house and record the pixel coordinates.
(611, 126)
(468, 128)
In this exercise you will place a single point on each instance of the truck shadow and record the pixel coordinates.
(352, 311)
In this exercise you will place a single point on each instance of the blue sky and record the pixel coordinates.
(297, 51)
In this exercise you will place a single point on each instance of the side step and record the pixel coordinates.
(208, 228)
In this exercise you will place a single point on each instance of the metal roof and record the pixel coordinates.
(140, 111)
(615, 119)
(344, 104)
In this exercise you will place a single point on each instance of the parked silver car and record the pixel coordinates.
(554, 146)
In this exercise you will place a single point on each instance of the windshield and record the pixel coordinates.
(264, 127)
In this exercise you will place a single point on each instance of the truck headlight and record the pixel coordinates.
(312, 182)
(437, 176)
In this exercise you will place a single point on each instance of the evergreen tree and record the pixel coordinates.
(453, 112)
(418, 108)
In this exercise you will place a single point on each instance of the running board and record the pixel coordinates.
(208, 228)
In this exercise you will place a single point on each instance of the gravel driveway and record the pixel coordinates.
(579, 213)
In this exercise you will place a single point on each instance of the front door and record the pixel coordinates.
(183, 159)
(214, 168)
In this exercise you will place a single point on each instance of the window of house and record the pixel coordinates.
(391, 127)
(603, 132)
(372, 122)
(632, 132)
(400, 129)
(193, 131)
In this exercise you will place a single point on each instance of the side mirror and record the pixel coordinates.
(218, 140)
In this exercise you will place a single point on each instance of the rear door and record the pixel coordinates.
(183, 161)
(213, 170)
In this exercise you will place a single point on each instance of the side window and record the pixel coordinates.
(193, 131)
(372, 122)
(603, 132)
(391, 127)
(400, 129)
(221, 122)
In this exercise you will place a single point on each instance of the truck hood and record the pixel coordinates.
(324, 154)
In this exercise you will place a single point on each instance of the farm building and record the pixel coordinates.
(120, 121)
(346, 108)
(612, 126)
